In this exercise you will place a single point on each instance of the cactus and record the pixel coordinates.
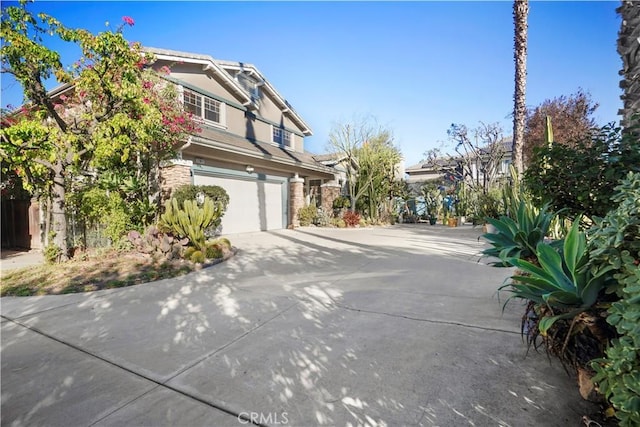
(191, 220)
(156, 243)
(548, 131)
(197, 257)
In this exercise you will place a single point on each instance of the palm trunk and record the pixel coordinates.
(629, 50)
(520, 12)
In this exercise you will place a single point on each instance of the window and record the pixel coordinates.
(213, 110)
(249, 84)
(282, 137)
(192, 102)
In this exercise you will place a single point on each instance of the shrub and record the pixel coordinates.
(338, 222)
(197, 257)
(307, 215)
(341, 202)
(323, 219)
(489, 205)
(189, 192)
(581, 177)
(619, 230)
(52, 252)
(351, 219)
(191, 220)
(518, 237)
(562, 281)
(618, 374)
(615, 242)
(117, 219)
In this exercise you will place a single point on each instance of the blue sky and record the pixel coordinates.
(416, 66)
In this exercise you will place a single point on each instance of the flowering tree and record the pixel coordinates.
(111, 112)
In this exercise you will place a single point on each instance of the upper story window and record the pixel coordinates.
(204, 107)
(249, 84)
(282, 137)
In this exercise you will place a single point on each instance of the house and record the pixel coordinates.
(251, 143)
(451, 166)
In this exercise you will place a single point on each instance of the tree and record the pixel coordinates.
(479, 154)
(349, 141)
(520, 12)
(581, 178)
(377, 179)
(571, 117)
(629, 50)
(109, 110)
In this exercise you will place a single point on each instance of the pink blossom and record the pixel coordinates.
(128, 20)
(146, 100)
(165, 70)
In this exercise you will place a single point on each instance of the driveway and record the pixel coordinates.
(386, 326)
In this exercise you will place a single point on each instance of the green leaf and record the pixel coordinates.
(552, 264)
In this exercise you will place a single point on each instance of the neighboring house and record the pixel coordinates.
(335, 161)
(444, 167)
(251, 143)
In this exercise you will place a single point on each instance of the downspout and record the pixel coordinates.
(185, 146)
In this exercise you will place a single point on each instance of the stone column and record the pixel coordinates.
(328, 193)
(296, 200)
(173, 174)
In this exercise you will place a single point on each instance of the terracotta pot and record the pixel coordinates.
(453, 222)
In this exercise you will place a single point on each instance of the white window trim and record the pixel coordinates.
(200, 118)
(292, 139)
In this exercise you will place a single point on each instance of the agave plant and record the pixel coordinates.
(518, 237)
(561, 282)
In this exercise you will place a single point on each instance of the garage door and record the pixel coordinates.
(254, 204)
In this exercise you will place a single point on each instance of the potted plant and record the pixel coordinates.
(432, 201)
(450, 210)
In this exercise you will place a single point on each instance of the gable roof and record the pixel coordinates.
(222, 68)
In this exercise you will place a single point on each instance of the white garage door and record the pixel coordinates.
(255, 205)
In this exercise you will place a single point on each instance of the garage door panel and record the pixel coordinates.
(255, 205)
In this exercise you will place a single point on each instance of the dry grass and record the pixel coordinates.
(91, 273)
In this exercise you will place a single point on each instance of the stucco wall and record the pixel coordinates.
(255, 124)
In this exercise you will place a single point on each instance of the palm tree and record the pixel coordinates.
(520, 12)
(629, 50)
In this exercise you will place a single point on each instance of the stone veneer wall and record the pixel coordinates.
(174, 174)
(296, 200)
(328, 193)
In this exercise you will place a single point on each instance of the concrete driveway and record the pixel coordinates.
(387, 326)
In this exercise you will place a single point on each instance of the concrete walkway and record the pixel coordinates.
(381, 327)
(11, 259)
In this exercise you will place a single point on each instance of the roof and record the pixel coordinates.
(506, 142)
(329, 158)
(221, 68)
(227, 141)
(429, 166)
